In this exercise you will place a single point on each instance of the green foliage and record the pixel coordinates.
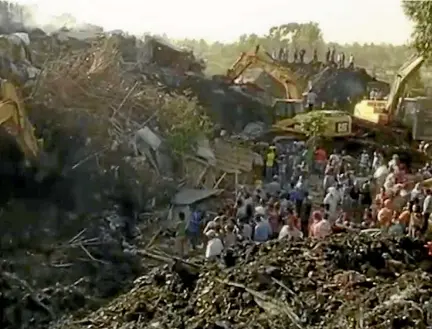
(383, 59)
(420, 13)
(313, 124)
(183, 121)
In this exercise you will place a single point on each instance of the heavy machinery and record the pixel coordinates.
(404, 118)
(287, 103)
(15, 127)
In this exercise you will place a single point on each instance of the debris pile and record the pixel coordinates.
(341, 85)
(347, 281)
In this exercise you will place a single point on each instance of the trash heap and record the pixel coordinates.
(346, 281)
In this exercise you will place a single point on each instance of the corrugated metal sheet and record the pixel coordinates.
(233, 158)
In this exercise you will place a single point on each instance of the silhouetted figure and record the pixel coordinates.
(315, 55)
(302, 55)
(296, 54)
(351, 62)
(281, 54)
(332, 55)
(342, 64)
(327, 55)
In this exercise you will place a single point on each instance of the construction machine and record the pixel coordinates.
(286, 99)
(16, 129)
(405, 118)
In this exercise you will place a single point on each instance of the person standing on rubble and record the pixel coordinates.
(302, 55)
(270, 162)
(194, 228)
(296, 55)
(342, 63)
(351, 62)
(332, 55)
(327, 55)
(311, 98)
(181, 238)
(281, 54)
(315, 56)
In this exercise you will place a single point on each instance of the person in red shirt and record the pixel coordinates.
(320, 160)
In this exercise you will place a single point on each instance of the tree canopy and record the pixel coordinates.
(420, 13)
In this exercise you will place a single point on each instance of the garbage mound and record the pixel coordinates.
(345, 281)
(341, 85)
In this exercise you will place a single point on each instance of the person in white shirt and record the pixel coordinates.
(311, 98)
(214, 246)
(332, 200)
(289, 231)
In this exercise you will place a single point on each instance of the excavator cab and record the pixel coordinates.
(286, 109)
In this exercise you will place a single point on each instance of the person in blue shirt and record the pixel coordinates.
(262, 230)
(194, 228)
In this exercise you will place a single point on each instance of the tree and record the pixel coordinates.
(420, 13)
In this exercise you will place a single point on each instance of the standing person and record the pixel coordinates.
(351, 62)
(311, 98)
(302, 55)
(262, 230)
(214, 246)
(332, 55)
(338, 60)
(427, 210)
(342, 63)
(320, 160)
(193, 228)
(306, 213)
(270, 162)
(289, 230)
(181, 238)
(315, 55)
(327, 55)
(296, 55)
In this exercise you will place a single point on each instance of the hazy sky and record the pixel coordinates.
(340, 20)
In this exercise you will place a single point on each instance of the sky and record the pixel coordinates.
(342, 21)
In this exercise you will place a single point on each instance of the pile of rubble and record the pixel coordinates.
(348, 281)
(340, 85)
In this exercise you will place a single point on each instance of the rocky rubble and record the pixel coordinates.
(347, 281)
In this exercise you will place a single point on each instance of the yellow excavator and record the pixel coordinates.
(288, 110)
(408, 118)
(14, 122)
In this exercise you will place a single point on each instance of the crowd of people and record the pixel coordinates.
(308, 193)
(332, 57)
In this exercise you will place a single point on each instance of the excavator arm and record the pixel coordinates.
(398, 86)
(14, 120)
(254, 60)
